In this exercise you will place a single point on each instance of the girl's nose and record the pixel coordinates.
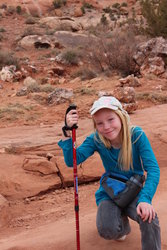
(106, 125)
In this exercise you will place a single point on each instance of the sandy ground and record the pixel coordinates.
(47, 221)
(59, 232)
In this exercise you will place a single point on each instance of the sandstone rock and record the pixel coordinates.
(58, 70)
(75, 80)
(4, 213)
(29, 81)
(40, 165)
(63, 23)
(3, 202)
(7, 74)
(36, 41)
(60, 95)
(84, 171)
(130, 107)
(125, 94)
(149, 56)
(58, 12)
(73, 39)
(154, 66)
(130, 80)
(2, 12)
(22, 92)
(78, 12)
(62, 80)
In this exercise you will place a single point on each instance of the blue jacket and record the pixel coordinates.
(143, 161)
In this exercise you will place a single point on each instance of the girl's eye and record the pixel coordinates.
(111, 119)
(99, 124)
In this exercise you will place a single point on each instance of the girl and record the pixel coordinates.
(123, 150)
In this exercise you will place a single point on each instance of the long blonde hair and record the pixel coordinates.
(125, 161)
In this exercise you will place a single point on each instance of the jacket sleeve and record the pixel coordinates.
(150, 166)
(85, 150)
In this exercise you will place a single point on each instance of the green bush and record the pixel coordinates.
(18, 9)
(2, 29)
(30, 20)
(155, 13)
(1, 37)
(124, 4)
(107, 9)
(83, 9)
(47, 88)
(70, 57)
(116, 5)
(103, 20)
(34, 87)
(87, 5)
(7, 58)
(58, 3)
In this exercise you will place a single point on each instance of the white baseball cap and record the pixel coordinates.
(109, 102)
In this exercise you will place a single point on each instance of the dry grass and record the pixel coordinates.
(153, 97)
(13, 112)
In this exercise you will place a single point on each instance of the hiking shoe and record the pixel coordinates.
(121, 238)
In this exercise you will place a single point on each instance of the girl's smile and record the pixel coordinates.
(108, 124)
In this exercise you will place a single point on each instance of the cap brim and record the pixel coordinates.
(93, 111)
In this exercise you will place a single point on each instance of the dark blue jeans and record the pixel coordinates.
(112, 223)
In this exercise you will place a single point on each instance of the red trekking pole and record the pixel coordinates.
(75, 186)
(73, 128)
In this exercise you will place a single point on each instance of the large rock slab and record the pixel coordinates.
(18, 180)
(17, 183)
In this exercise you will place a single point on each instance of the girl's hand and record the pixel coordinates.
(146, 211)
(72, 118)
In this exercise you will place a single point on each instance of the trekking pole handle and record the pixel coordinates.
(71, 107)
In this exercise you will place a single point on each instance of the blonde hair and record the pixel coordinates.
(125, 161)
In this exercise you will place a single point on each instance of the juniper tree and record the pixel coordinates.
(155, 13)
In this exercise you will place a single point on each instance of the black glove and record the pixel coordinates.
(66, 127)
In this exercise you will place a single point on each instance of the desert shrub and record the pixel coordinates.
(155, 13)
(2, 29)
(37, 88)
(86, 91)
(70, 57)
(58, 3)
(83, 9)
(34, 87)
(1, 37)
(112, 17)
(3, 6)
(87, 5)
(18, 9)
(107, 9)
(11, 9)
(13, 111)
(7, 58)
(153, 97)
(30, 20)
(31, 31)
(84, 73)
(47, 88)
(116, 5)
(124, 4)
(114, 52)
(104, 20)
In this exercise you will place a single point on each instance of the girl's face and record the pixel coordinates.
(109, 125)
